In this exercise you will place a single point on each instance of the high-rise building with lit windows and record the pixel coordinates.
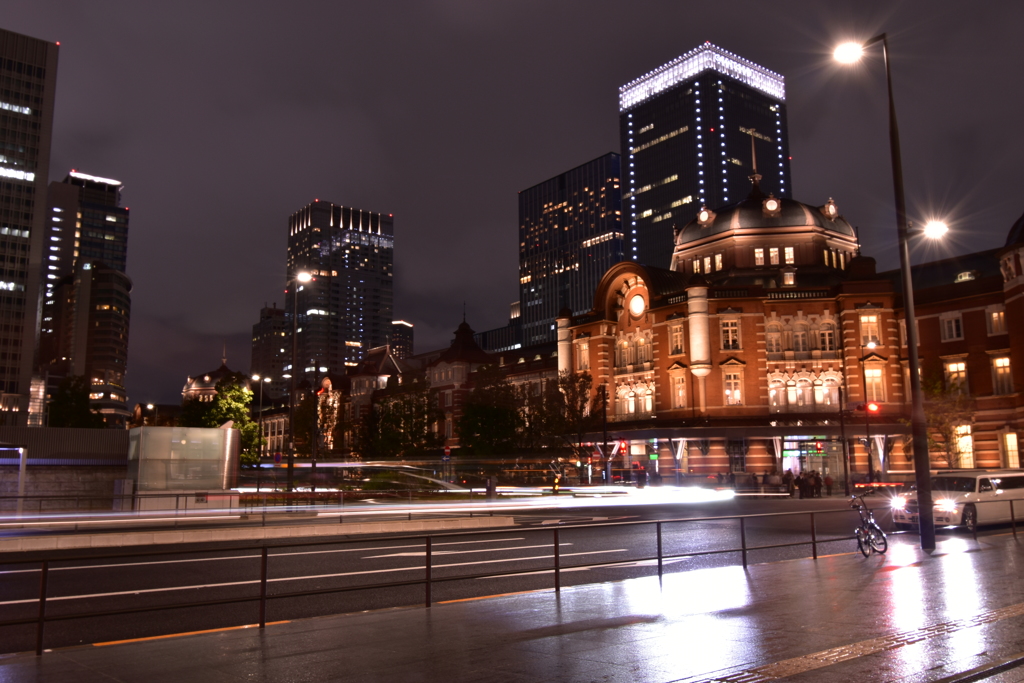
(570, 233)
(86, 302)
(28, 71)
(690, 131)
(346, 309)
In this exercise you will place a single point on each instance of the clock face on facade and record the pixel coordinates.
(704, 216)
(637, 305)
(772, 204)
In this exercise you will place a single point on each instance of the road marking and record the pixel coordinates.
(423, 553)
(169, 589)
(836, 655)
(249, 557)
(187, 633)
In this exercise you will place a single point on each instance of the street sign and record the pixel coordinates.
(447, 450)
(277, 457)
(445, 458)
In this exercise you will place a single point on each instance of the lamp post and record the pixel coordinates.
(846, 451)
(864, 348)
(303, 277)
(152, 407)
(849, 53)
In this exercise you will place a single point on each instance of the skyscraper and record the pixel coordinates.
(689, 131)
(271, 350)
(28, 71)
(402, 339)
(570, 233)
(86, 303)
(347, 307)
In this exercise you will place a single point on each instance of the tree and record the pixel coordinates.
(400, 422)
(491, 418)
(947, 410)
(231, 404)
(70, 405)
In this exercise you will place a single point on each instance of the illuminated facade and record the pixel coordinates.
(28, 68)
(570, 233)
(687, 131)
(347, 307)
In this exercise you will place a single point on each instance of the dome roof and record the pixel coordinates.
(1016, 235)
(751, 214)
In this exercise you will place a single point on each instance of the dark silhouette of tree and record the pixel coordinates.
(491, 417)
(70, 405)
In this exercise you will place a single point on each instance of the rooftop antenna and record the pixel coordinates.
(755, 179)
(224, 357)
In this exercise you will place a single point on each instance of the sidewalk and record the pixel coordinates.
(904, 616)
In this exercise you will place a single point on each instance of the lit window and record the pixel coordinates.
(873, 384)
(800, 341)
(679, 391)
(773, 256)
(963, 455)
(956, 376)
(868, 329)
(996, 319)
(759, 256)
(1002, 381)
(733, 395)
(773, 340)
(718, 261)
(790, 255)
(707, 264)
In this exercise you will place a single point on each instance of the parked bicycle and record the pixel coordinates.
(870, 536)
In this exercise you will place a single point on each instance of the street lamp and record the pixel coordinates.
(300, 277)
(849, 53)
(152, 407)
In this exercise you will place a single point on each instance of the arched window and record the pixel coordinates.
(777, 396)
(773, 339)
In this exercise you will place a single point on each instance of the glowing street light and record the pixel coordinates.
(303, 277)
(935, 230)
(849, 53)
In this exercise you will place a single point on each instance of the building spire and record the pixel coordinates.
(224, 355)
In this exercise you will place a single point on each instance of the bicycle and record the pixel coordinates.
(870, 536)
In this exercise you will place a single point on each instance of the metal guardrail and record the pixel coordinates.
(429, 578)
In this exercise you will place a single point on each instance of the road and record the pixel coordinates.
(212, 572)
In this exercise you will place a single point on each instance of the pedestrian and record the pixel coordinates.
(787, 481)
(828, 484)
(721, 478)
(817, 483)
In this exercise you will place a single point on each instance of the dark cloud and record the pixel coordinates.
(223, 118)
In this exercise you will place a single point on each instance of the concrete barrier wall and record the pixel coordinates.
(95, 482)
(132, 539)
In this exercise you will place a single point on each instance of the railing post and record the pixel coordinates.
(743, 540)
(1013, 520)
(659, 549)
(428, 570)
(263, 588)
(814, 539)
(42, 606)
(558, 563)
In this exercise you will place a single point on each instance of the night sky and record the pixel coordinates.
(222, 118)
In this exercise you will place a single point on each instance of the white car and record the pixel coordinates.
(967, 498)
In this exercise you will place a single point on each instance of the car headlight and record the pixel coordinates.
(898, 503)
(945, 505)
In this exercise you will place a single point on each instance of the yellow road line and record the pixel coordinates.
(187, 633)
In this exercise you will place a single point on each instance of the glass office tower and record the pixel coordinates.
(570, 233)
(690, 132)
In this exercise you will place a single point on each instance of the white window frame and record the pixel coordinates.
(759, 256)
(730, 331)
(732, 386)
(676, 340)
(951, 326)
(790, 255)
(773, 256)
(874, 382)
(583, 355)
(678, 390)
(827, 337)
(869, 328)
